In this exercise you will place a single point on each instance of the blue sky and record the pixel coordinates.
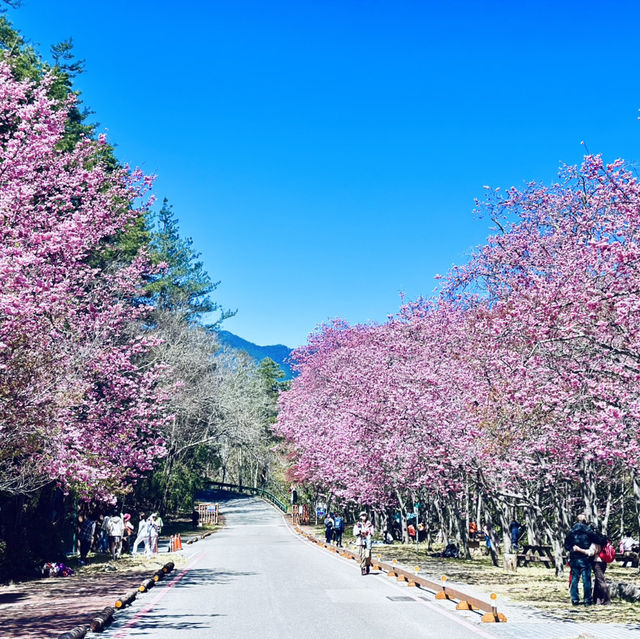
(325, 156)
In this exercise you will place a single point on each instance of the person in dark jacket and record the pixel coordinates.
(514, 529)
(580, 538)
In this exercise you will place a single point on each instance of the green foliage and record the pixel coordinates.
(64, 59)
(178, 489)
(272, 376)
(32, 532)
(184, 286)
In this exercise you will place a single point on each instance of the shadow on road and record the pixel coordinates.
(206, 576)
(176, 622)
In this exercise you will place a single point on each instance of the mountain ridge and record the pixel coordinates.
(279, 353)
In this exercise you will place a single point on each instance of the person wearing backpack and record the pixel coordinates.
(338, 529)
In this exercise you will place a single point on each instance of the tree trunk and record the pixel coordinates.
(607, 512)
(622, 490)
(589, 493)
(459, 524)
(403, 517)
(441, 522)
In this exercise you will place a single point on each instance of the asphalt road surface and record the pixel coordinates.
(257, 578)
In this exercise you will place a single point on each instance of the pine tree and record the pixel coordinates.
(183, 286)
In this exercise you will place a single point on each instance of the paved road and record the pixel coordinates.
(256, 578)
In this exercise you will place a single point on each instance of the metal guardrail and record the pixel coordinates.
(260, 492)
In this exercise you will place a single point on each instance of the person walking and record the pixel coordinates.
(363, 532)
(328, 527)
(142, 535)
(85, 537)
(338, 530)
(577, 541)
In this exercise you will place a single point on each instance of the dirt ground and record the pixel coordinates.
(45, 608)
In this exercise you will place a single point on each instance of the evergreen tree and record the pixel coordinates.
(271, 376)
(183, 286)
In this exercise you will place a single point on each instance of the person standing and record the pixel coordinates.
(128, 534)
(601, 594)
(491, 547)
(338, 530)
(85, 537)
(159, 523)
(152, 535)
(363, 532)
(514, 529)
(103, 545)
(577, 541)
(328, 527)
(115, 531)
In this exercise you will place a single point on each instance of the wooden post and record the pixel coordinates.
(443, 593)
(510, 562)
(494, 616)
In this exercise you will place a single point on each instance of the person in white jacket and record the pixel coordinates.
(363, 532)
(142, 535)
(114, 527)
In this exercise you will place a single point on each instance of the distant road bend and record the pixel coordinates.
(256, 578)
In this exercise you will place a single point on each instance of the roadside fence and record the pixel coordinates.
(259, 492)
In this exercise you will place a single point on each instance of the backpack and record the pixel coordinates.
(608, 553)
(338, 523)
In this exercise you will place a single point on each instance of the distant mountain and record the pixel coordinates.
(278, 353)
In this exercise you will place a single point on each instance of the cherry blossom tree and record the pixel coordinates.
(515, 389)
(75, 405)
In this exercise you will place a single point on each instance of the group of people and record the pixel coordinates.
(589, 552)
(362, 531)
(149, 530)
(114, 533)
(334, 529)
